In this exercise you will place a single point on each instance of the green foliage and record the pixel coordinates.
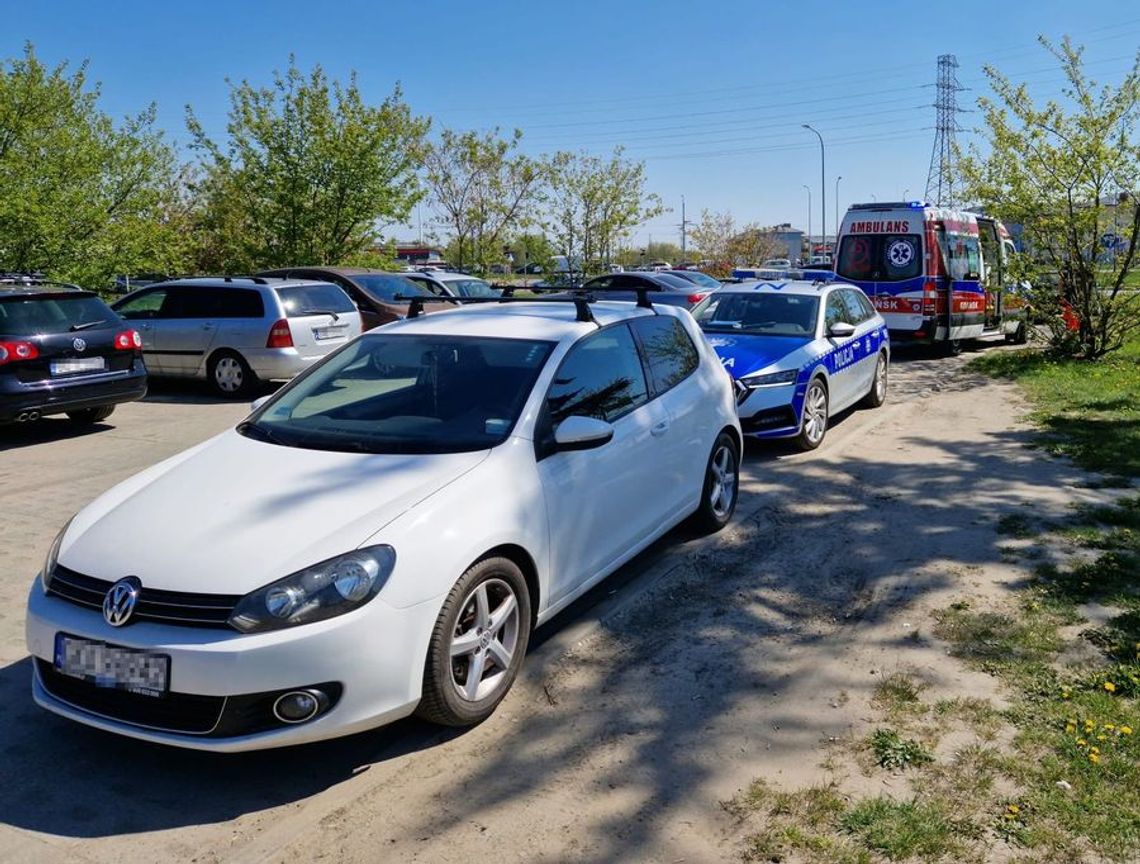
(306, 174)
(82, 198)
(593, 204)
(1055, 169)
(893, 751)
(483, 189)
(902, 829)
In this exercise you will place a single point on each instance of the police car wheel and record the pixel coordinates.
(877, 395)
(721, 487)
(815, 416)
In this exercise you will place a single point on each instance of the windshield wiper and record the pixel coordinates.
(251, 430)
(83, 325)
(335, 317)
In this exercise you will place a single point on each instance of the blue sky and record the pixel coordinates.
(710, 95)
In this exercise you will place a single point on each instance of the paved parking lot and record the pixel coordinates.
(71, 793)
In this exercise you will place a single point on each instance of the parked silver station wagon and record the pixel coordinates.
(235, 331)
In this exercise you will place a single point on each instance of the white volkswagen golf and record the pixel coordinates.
(382, 535)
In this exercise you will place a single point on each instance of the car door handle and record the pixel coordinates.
(660, 429)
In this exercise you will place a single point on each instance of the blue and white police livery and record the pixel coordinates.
(799, 353)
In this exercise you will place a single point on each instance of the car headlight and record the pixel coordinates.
(788, 376)
(322, 591)
(48, 570)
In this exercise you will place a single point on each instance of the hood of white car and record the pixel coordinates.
(234, 514)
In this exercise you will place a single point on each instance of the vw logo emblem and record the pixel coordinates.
(79, 344)
(119, 602)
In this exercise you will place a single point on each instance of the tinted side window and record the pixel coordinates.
(836, 310)
(868, 309)
(240, 303)
(670, 352)
(601, 377)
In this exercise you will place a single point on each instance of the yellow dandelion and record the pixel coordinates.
(1094, 749)
(1094, 758)
(1081, 742)
(1014, 809)
(1101, 737)
(1109, 686)
(1125, 730)
(1109, 727)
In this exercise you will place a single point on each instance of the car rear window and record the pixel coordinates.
(301, 300)
(36, 316)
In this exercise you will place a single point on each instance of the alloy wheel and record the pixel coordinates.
(815, 413)
(485, 640)
(722, 471)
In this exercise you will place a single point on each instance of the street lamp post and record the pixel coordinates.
(822, 184)
(808, 188)
(834, 251)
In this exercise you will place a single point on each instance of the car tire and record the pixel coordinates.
(951, 347)
(229, 375)
(721, 487)
(815, 416)
(877, 395)
(1020, 336)
(462, 687)
(91, 415)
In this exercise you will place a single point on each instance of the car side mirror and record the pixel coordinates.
(258, 402)
(582, 433)
(841, 330)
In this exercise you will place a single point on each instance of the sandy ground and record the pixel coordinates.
(705, 664)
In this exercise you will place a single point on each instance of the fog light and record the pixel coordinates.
(298, 706)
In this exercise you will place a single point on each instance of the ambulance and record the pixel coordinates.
(937, 276)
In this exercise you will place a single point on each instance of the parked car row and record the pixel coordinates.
(413, 505)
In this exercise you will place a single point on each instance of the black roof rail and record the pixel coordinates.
(256, 280)
(32, 280)
(581, 303)
(642, 292)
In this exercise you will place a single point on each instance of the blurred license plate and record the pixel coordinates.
(335, 332)
(81, 364)
(111, 666)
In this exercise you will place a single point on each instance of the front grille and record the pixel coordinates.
(167, 607)
(173, 712)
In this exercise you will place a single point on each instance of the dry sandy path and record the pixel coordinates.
(702, 665)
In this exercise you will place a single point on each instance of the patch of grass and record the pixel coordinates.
(1015, 525)
(995, 638)
(903, 829)
(1119, 639)
(1088, 411)
(978, 714)
(1113, 578)
(898, 695)
(892, 751)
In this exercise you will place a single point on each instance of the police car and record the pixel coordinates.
(799, 352)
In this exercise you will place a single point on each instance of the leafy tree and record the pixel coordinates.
(482, 188)
(532, 249)
(725, 246)
(81, 198)
(1068, 174)
(307, 174)
(593, 204)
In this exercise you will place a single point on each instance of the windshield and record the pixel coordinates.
(395, 393)
(880, 257)
(41, 316)
(385, 286)
(762, 314)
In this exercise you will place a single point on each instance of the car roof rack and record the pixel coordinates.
(416, 303)
(34, 280)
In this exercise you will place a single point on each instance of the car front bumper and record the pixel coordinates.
(772, 412)
(374, 655)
